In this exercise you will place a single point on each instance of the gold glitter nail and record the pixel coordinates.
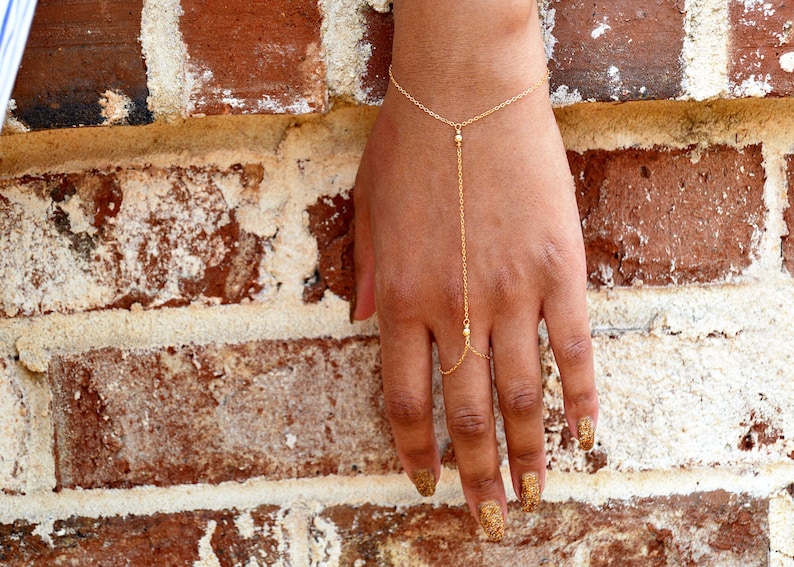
(586, 433)
(530, 491)
(425, 482)
(491, 520)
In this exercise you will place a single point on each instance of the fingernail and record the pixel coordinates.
(353, 305)
(530, 491)
(425, 482)
(586, 433)
(491, 520)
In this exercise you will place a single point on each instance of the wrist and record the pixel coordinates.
(449, 52)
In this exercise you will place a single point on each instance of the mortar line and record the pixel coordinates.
(393, 490)
(342, 31)
(781, 529)
(750, 306)
(585, 126)
(770, 247)
(166, 57)
(705, 53)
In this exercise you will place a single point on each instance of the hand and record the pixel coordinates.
(525, 261)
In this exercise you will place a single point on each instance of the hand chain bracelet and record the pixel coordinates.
(458, 126)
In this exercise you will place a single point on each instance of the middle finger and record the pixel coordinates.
(519, 386)
(471, 424)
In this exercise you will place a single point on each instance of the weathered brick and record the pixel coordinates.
(761, 50)
(702, 529)
(267, 58)
(709, 390)
(83, 65)
(14, 429)
(665, 216)
(330, 221)
(708, 529)
(208, 414)
(616, 50)
(788, 240)
(378, 34)
(279, 409)
(151, 236)
(237, 538)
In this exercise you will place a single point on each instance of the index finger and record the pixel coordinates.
(406, 356)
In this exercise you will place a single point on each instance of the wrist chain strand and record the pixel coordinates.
(458, 126)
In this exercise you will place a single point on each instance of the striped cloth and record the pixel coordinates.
(15, 18)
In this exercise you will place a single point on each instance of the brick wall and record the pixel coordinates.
(178, 381)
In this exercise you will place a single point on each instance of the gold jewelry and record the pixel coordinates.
(458, 126)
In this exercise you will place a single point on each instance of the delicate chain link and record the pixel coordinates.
(458, 126)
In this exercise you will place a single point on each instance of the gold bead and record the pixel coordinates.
(458, 138)
(466, 331)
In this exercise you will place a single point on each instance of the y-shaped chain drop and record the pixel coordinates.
(458, 126)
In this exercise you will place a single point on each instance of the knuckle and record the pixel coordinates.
(522, 400)
(401, 294)
(404, 408)
(482, 485)
(558, 259)
(530, 457)
(580, 401)
(508, 284)
(575, 352)
(468, 424)
(452, 292)
(421, 455)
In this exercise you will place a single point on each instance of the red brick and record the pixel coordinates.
(705, 529)
(761, 33)
(788, 240)
(280, 409)
(277, 409)
(665, 216)
(160, 539)
(378, 34)
(330, 221)
(143, 235)
(77, 50)
(254, 57)
(637, 57)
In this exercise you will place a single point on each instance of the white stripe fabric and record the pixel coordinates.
(15, 19)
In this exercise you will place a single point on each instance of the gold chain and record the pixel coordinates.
(458, 126)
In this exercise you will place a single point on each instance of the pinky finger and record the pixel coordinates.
(569, 334)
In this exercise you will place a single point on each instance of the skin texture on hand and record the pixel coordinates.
(524, 246)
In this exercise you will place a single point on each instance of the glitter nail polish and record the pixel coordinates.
(491, 520)
(586, 433)
(530, 491)
(425, 482)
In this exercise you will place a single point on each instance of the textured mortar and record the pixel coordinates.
(166, 55)
(705, 51)
(15, 428)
